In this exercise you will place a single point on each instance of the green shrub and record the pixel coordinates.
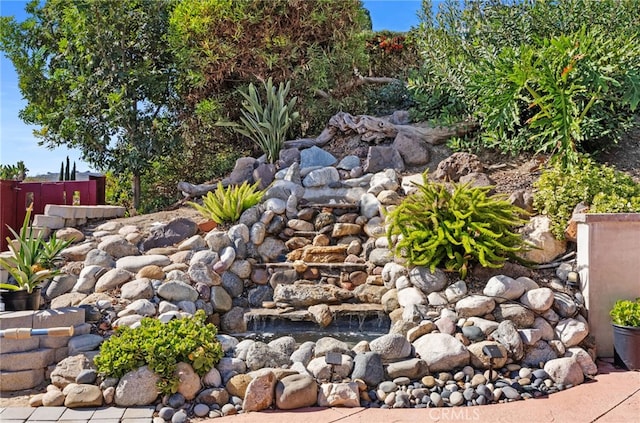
(226, 205)
(476, 52)
(267, 121)
(454, 226)
(554, 95)
(388, 98)
(602, 188)
(161, 346)
(221, 45)
(16, 172)
(626, 313)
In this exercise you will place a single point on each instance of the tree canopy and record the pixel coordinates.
(98, 76)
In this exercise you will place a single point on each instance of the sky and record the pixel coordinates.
(16, 138)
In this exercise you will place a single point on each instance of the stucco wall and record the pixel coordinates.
(608, 260)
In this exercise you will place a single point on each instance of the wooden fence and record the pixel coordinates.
(17, 196)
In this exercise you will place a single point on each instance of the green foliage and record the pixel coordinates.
(161, 346)
(604, 189)
(267, 121)
(16, 172)
(392, 54)
(388, 98)
(226, 205)
(626, 313)
(504, 64)
(454, 226)
(554, 95)
(33, 259)
(118, 189)
(98, 76)
(221, 45)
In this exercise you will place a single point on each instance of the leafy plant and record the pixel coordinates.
(161, 346)
(388, 98)
(554, 95)
(626, 313)
(34, 260)
(227, 204)
(604, 189)
(266, 122)
(453, 226)
(471, 48)
(16, 172)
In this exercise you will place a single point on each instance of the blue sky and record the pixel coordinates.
(18, 143)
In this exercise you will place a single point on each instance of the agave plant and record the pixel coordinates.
(33, 259)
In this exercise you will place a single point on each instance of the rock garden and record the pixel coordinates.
(315, 251)
(377, 264)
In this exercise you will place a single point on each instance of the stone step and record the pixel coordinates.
(51, 222)
(84, 212)
(22, 379)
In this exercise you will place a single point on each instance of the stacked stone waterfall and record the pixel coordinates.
(316, 243)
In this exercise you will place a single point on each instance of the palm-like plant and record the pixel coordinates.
(33, 259)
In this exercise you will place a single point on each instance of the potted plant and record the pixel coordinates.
(625, 316)
(32, 261)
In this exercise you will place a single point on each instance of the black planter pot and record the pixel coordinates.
(21, 300)
(626, 346)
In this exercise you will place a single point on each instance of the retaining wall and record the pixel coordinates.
(26, 363)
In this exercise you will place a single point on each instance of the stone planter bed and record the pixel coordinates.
(299, 256)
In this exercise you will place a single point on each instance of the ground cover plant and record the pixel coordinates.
(161, 346)
(602, 188)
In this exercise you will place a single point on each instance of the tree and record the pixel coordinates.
(222, 45)
(97, 76)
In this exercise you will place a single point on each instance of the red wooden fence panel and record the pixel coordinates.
(16, 196)
(8, 198)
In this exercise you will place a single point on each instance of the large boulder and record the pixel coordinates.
(441, 352)
(296, 391)
(368, 367)
(565, 370)
(138, 387)
(170, 233)
(392, 346)
(538, 232)
(260, 392)
(339, 394)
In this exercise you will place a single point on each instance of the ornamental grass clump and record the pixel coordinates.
(161, 346)
(455, 225)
